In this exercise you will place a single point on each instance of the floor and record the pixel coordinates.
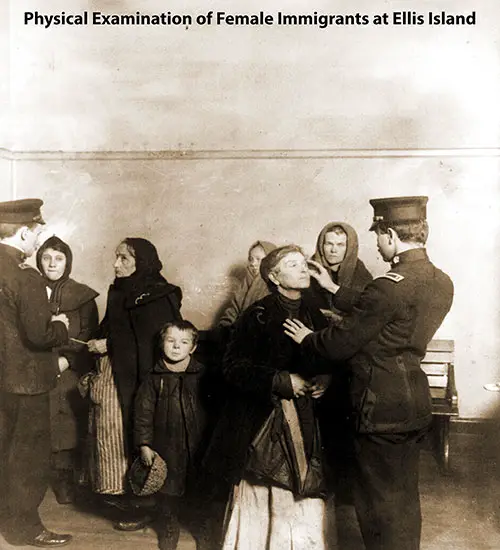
(461, 511)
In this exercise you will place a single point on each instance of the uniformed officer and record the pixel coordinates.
(28, 371)
(384, 340)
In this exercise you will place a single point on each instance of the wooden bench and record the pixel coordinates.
(438, 364)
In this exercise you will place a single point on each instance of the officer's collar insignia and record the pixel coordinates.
(394, 277)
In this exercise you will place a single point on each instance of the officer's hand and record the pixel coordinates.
(299, 385)
(296, 330)
(61, 317)
(63, 363)
(98, 346)
(147, 455)
(319, 272)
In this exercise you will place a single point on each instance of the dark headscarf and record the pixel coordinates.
(147, 261)
(147, 266)
(56, 286)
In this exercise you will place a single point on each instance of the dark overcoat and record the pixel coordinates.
(257, 366)
(170, 417)
(28, 366)
(131, 326)
(384, 339)
(67, 407)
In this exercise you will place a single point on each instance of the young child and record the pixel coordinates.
(170, 419)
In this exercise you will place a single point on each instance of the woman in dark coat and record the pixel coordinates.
(68, 411)
(336, 286)
(276, 498)
(140, 302)
(337, 256)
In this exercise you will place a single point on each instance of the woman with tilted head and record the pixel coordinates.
(266, 444)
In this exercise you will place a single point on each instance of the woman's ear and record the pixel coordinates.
(273, 278)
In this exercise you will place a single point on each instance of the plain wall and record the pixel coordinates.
(204, 140)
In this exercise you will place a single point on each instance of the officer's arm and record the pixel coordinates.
(35, 316)
(375, 309)
(347, 297)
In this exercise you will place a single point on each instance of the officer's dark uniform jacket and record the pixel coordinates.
(27, 365)
(385, 338)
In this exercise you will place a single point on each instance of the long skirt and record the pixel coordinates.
(107, 460)
(270, 518)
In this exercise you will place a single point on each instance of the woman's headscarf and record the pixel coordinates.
(147, 266)
(265, 245)
(147, 261)
(254, 286)
(251, 289)
(348, 265)
(56, 286)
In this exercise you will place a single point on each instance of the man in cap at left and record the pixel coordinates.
(28, 371)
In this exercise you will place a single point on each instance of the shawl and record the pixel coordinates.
(67, 294)
(348, 265)
(147, 268)
(250, 289)
(352, 275)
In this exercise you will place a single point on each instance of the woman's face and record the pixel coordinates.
(255, 256)
(125, 262)
(335, 248)
(292, 272)
(53, 264)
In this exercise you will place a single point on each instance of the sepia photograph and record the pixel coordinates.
(249, 285)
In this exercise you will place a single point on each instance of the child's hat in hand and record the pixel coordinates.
(146, 480)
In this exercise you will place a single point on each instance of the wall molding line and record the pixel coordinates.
(250, 154)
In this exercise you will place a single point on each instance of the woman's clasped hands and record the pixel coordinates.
(315, 387)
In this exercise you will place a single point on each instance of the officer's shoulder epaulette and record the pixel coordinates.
(394, 277)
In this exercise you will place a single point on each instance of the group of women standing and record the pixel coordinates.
(266, 443)
(105, 362)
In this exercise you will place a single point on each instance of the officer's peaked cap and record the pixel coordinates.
(398, 209)
(21, 211)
